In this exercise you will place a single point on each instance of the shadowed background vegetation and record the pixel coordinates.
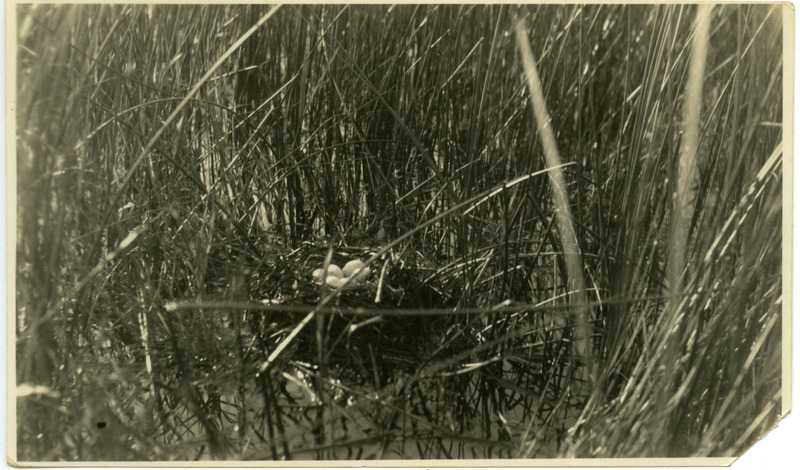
(149, 174)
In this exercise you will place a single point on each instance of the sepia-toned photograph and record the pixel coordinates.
(354, 233)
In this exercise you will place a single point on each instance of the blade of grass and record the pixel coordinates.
(558, 185)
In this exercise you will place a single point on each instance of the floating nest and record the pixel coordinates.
(363, 344)
(394, 282)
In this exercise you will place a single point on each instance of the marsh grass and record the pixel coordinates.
(182, 170)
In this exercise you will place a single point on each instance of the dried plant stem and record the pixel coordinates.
(558, 186)
(678, 339)
(686, 184)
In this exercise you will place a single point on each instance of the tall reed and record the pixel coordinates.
(563, 214)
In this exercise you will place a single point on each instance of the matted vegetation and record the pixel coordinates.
(182, 171)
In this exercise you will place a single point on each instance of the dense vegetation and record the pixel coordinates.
(182, 170)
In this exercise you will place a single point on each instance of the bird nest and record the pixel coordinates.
(361, 329)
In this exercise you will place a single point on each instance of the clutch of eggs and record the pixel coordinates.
(336, 277)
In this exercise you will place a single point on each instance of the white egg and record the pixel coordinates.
(334, 270)
(352, 266)
(317, 274)
(362, 275)
(336, 282)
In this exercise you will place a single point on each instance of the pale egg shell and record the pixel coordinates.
(317, 274)
(334, 270)
(362, 275)
(352, 266)
(335, 282)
